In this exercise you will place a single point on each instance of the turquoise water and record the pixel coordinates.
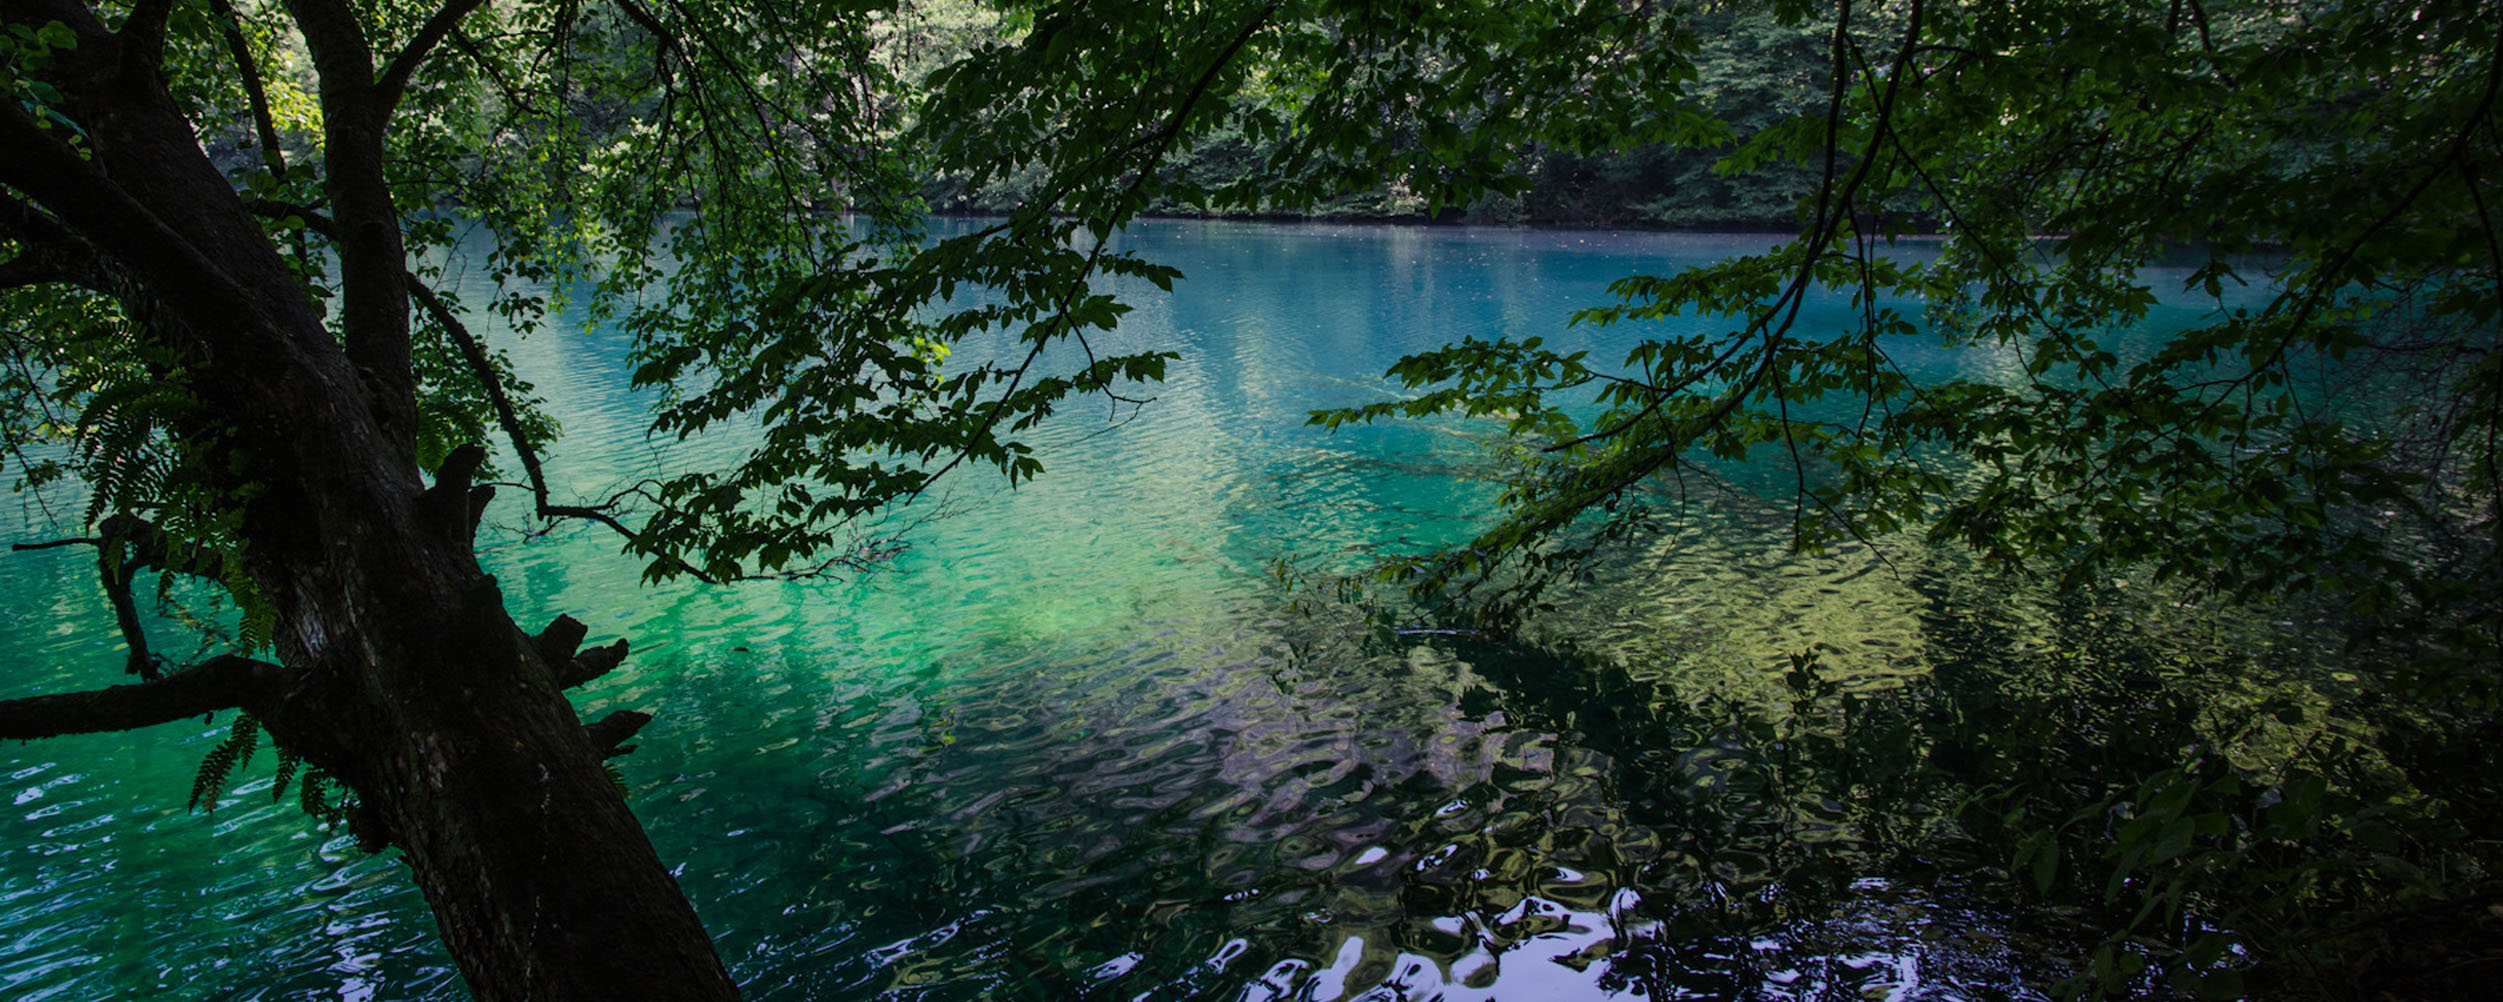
(1078, 741)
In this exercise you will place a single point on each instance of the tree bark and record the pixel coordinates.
(404, 676)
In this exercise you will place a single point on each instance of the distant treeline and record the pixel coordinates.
(1655, 187)
(1751, 74)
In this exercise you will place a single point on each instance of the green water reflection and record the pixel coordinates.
(1078, 743)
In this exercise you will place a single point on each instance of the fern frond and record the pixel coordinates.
(219, 767)
(309, 793)
(120, 455)
(288, 763)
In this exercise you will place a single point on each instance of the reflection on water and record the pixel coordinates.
(1077, 743)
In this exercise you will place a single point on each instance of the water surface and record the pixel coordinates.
(1080, 742)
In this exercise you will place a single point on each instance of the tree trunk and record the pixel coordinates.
(442, 715)
(543, 883)
(446, 719)
(408, 680)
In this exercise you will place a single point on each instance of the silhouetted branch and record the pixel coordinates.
(130, 544)
(58, 543)
(394, 78)
(249, 70)
(507, 416)
(219, 683)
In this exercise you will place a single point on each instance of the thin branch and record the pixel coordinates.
(633, 538)
(249, 69)
(130, 544)
(58, 543)
(395, 77)
(515, 97)
(2324, 280)
(1828, 216)
(507, 416)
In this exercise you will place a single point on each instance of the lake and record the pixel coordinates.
(1082, 741)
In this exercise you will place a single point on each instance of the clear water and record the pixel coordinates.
(1079, 743)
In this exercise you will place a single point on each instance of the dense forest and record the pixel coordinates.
(231, 345)
(1757, 69)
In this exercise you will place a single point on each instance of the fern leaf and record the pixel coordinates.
(288, 763)
(219, 767)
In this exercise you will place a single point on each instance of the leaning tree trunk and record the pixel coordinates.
(403, 675)
(447, 721)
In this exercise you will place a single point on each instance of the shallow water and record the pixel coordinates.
(1079, 742)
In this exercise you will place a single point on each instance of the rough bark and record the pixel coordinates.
(403, 674)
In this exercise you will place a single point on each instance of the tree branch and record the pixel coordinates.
(116, 573)
(1163, 139)
(506, 415)
(231, 26)
(151, 547)
(509, 417)
(512, 95)
(373, 265)
(219, 683)
(130, 544)
(633, 538)
(54, 544)
(143, 33)
(569, 666)
(1829, 214)
(151, 250)
(452, 505)
(395, 77)
(558, 642)
(588, 665)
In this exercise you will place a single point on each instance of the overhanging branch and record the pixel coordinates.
(508, 417)
(127, 545)
(219, 683)
(472, 351)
